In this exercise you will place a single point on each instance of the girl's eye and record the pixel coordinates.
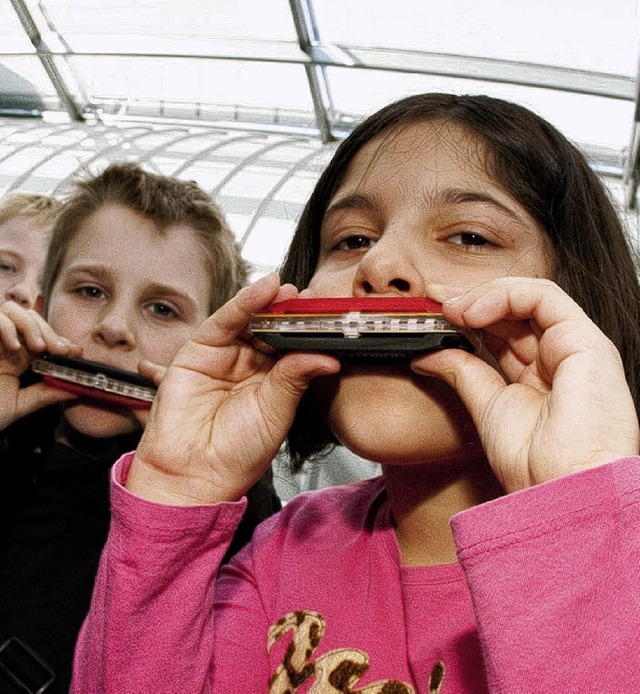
(90, 292)
(162, 310)
(354, 243)
(8, 268)
(469, 238)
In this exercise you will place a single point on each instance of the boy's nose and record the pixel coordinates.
(114, 329)
(22, 295)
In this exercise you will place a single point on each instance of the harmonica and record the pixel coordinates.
(94, 380)
(372, 327)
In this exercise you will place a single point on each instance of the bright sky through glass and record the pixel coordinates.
(589, 35)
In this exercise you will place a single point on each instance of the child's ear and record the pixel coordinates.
(39, 305)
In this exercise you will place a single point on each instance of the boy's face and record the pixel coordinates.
(23, 248)
(126, 292)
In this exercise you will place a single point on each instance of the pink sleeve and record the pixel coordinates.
(554, 573)
(150, 627)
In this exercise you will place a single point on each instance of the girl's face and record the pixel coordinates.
(416, 207)
(23, 247)
(124, 293)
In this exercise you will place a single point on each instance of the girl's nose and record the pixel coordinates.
(389, 268)
(114, 329)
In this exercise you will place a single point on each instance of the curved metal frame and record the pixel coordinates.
(317, 55)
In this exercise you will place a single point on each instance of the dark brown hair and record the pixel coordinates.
(547, 175)
(164, 200)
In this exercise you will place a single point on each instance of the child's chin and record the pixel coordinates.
(100, 421)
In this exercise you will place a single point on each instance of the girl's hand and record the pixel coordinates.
(156, 373)
(559, 402)
(24, 332)
(150, 369)
(223, 408)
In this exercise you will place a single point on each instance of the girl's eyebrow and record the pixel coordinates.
(438, 198)
(460, 196)
(353, 201)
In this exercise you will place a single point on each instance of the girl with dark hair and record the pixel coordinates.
(499, 549)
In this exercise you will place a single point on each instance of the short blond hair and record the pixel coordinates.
(21, 204)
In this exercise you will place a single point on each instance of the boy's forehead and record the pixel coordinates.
(22, 231)
(133, 248)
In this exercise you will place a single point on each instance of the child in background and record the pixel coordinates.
(26, 220)
(499, 550)
(136, 263)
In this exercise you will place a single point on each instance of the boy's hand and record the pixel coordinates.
(24, 332)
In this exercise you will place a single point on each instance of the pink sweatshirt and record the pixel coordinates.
(545, 598)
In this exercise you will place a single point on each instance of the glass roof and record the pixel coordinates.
(248, 96)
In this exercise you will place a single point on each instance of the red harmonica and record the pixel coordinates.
(94, 380)
(379, 327)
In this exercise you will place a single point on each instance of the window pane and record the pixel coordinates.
(185, 21)
(580, 117)
(192, 88)
(25, 85)
(12, 36)
(583, 34)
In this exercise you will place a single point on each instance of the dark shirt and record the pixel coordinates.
(54, 521)
(55, 512)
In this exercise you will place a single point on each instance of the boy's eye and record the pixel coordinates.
(162, 310)
(469, 238)
(8, 268)
(355, 242)
(90, 292)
